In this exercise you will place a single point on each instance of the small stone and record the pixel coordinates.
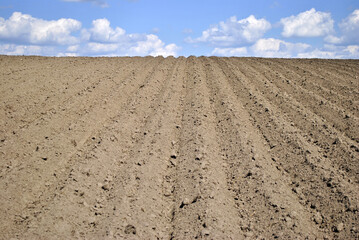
(205, 232)
(92, 220)
(73, 142)
(199, 157)
(167, 192)
(318, 218)
(289, 222)
(249, 234)
(294, 214)
(186, 201)
(173, 155)
(105, 187)
(336, 141)
(173, 163)
(340, 227)
(113, 138)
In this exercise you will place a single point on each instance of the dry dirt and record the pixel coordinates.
(179, 148)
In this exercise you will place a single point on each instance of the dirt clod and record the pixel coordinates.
(130, 229)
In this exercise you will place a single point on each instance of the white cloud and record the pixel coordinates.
(318, 54)
(311, 23)
(230, 52)
(102, 47)
(66, 54)
(73, 48)
(234, 32)
(353, 50)
(103, 39)
(333, 39)
(100, 3)
(23, 34)
(153, 46)
(265, 47)
(333, 51)
(350, 25)
(349, 28)
(13, 49)
(271, 47)
(23, 28)
(103, 32)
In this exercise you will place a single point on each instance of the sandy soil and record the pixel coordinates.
(166, 148)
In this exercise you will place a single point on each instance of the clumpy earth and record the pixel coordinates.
(179, 148)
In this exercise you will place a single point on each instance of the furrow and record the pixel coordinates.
(47, 173)
(204, 208)
(312, 176)
(40, 97)
(178, 148)
(307, 100)
(104, 172)
(311, 125)
(64, 117)
(334, 69)
(314, 72)
(262, 191)
(287, 73)
(145, 202)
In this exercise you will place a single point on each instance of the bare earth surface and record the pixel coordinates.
(166, 148)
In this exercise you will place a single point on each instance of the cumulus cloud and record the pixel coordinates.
(230, 52)
(265, 47)
(318, 54)
(352, 50)
(153, 46)
(13, 49)
(333, 51)
(271, 47)
(73, 48)
(103, 39)
(102, 48)
(349, 28)
(102, 32)
(25, 29)
(24, 34)
(234, 32)
(311, 23)
(100, 3)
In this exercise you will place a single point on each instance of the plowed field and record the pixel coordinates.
(179, 148)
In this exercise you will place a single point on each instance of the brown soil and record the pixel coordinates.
(165, 148)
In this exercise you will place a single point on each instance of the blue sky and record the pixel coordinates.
(263, 28)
